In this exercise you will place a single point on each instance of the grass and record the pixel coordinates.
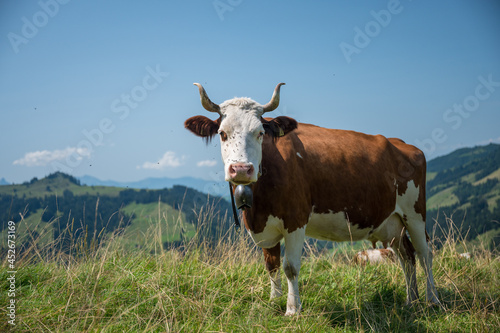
(146, 217)
(26, 230)
(442, 199)
(224, 287)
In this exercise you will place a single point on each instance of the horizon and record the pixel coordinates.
(103, 89)
(195, 178)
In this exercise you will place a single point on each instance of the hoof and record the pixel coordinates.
(435, 304)
(275, 294)
(292, 312)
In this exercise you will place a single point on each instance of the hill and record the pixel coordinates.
(465, 186)
(461, 156)
(201, 185)
(68, 210)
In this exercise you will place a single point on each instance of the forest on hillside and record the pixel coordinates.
(88, 218)
(467, 174)
(467, 179)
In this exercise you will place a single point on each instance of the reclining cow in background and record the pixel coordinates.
(374, 256)
(328, 184)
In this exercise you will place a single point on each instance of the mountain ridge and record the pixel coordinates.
(463, 185)
(212, 187)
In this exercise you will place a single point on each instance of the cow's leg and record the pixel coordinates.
(272, 258)
(416, 228)
(393, 231)
(406, 254)
(294, 242)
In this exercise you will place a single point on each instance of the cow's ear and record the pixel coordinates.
(203, 126)
(279, 126)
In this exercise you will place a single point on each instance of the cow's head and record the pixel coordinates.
(242, 130)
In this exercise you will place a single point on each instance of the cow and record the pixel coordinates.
(328, 184)
(374, 256)
(465, 255)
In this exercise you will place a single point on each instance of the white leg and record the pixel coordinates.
(394, 232)
(272, 259)
(294, 243)
(416, 228)
(405, 252)
(275, 284)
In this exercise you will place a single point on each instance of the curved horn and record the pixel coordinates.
(205, 101)
(275, 100)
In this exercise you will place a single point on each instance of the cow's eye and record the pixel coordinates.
(223, 135)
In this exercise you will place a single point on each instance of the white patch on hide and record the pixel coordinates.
(405, 204)
(272, 233)
(334, 227)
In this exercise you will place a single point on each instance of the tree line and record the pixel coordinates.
(88, 218)
(471, 213)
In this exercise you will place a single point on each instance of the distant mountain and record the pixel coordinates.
(4, 182)
(206, 186)
(465, 187)
(461, 156)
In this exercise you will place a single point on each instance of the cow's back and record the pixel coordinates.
(323, 171)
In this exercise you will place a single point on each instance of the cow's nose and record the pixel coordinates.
(242, 172)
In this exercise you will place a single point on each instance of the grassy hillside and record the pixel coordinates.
(60, 203)
(474, 166)
(56, 184)
(167, 261)
(225, 288)
(175, 228)
(465, 186)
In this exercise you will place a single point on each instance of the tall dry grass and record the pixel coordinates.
(220, 284)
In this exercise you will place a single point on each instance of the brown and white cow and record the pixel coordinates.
(324, 183)
(374, 256)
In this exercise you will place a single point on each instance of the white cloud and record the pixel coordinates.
(168, 160)
(491, 140)
(44, 157)
(206, 163)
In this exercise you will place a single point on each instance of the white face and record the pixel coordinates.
(241, 134)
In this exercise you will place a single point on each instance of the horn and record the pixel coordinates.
(205, 101)
(275, 100)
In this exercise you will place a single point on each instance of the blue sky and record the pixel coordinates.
(102, 88)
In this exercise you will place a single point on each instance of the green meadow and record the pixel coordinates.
(224, 287)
